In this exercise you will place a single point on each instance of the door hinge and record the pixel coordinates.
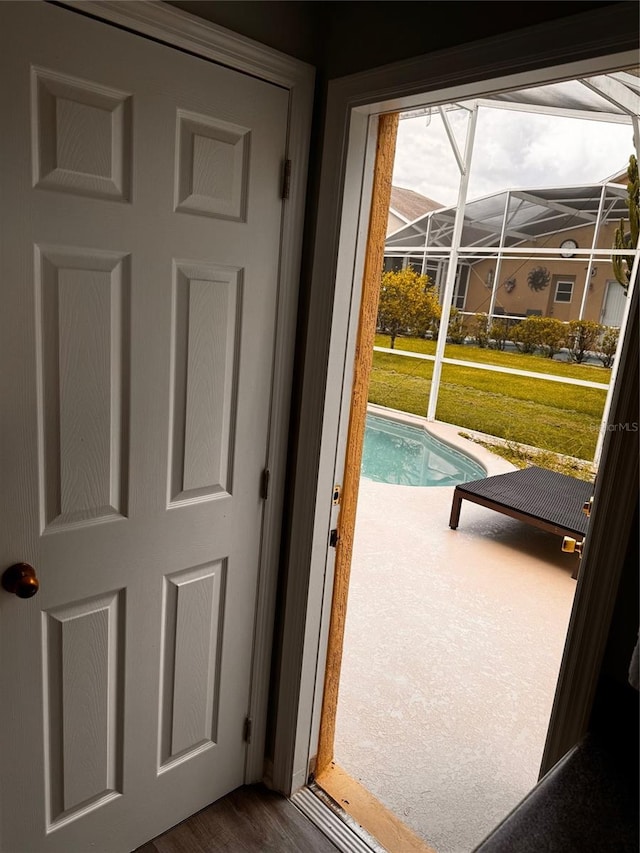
(286, 179)
(264, 484)
(246, 733)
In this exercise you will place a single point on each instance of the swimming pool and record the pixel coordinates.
(406, 455)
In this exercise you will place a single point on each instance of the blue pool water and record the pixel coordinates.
(410, 456)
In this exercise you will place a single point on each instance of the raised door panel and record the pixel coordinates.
(207, 310)
(193, 608)
(82, 320)
(212, 167)
(82, 136)
(83, 689)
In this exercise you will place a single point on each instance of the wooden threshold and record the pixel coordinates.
(369, 812)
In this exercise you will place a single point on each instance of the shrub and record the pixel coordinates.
(553, 334)
(582, 338)
(607, 345)
(526, 335)
(479, 330)
(434, 329)
(456, 331)
(408, 303)
(499, 333)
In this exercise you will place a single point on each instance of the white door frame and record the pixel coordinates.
(179, 29)
(581, 45)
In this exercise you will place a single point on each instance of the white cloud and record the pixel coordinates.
(424, 159)
(512, 149)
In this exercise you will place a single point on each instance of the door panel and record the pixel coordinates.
(82, 305)
(206, 315)
(84, 720)
(192, 610)
(140, 250)
(614, 302)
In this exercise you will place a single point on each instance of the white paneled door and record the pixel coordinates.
(141, 218)
(614, 303)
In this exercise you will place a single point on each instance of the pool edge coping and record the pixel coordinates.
(448, 434)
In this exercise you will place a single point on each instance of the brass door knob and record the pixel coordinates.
(21, 580)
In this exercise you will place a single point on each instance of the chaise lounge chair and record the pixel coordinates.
(545, 499)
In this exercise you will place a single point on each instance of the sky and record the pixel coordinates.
(512, 149)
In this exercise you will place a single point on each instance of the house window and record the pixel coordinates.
(564, 291)
(460, 290)
(392, 264)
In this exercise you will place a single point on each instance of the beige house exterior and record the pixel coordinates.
(577, 275)
(563, 296)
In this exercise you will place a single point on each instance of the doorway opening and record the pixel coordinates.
(508, 250)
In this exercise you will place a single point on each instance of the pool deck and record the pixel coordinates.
(452, 650)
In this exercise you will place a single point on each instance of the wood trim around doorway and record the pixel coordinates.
(349, 795)
(381, 196)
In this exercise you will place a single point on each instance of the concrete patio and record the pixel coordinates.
(452, 650)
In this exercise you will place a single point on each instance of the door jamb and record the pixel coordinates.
(577, 46)
(348, 501)
(187, 32)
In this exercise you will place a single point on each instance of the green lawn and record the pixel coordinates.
(534, 363)
(560, 418)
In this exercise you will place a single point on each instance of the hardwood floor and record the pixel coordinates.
(248, 820)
